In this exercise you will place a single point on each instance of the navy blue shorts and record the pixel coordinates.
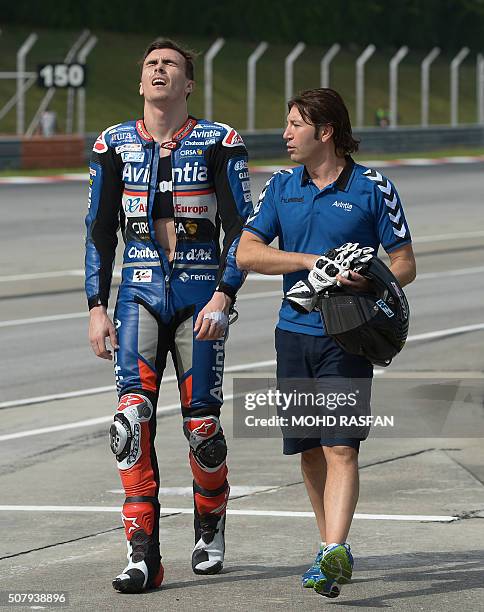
(314, 357)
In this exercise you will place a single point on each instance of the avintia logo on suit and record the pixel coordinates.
(344, 205)
(189, 173)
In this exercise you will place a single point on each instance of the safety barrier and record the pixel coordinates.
(10, 153)
(74, 151)
(381, 140)
(53, 152)
(269, 143)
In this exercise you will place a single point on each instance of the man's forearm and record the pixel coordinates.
(259, 257)
(404, 271)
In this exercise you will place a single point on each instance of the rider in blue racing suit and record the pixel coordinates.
(169, 181)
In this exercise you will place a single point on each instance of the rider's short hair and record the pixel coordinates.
(166, 43)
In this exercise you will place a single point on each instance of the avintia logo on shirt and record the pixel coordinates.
(344, 205)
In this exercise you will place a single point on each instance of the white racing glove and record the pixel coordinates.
(304, 295)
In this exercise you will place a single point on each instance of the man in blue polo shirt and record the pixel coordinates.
(325, 202)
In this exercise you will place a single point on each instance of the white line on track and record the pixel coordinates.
(441, 333)
(235, 490)
(45, 319)
(84, 314)
(39, 275)
(277, 278)
(450, 236)
(445, 333)
(242, 367)
(171, 408)
(233, 512)
(243, 297)
(459, 272)
(261, 294)
(117, 272)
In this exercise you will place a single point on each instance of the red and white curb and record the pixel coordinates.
(411, 161)
(38, 180)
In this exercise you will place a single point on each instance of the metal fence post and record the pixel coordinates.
(480, 87)
(81, 92)
(396, 59)
(454, 85)
(289, 72)
(70, 90)
(208, 76)
(326, 61)
(251, 83)
(21, 55)
(360, 84)
(425, 85)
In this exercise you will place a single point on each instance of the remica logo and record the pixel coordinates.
(345, 205)
(184, 277)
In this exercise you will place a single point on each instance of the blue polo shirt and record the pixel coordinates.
(360, 206)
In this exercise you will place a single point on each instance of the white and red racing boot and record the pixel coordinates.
(144, 570)
(209, 551)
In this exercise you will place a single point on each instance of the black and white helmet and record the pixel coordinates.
(374, 325)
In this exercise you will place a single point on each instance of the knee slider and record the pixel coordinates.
(206, 440)
(125, 433)
(213, 452)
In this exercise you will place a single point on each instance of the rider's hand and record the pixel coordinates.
(209, 329)
(100, 328)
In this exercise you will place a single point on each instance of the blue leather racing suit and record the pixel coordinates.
(158, 301)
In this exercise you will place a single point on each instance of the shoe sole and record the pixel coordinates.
(215, 569)
(319, 587)
(330, 594)
(124, 586)
(335, 565)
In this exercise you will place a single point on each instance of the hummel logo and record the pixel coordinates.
(346, 205)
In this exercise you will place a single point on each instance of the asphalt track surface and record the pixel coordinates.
(418, 536)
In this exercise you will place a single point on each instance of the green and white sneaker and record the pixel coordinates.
(336, 564)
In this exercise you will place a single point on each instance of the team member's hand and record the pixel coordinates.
(354, 281)
(100, 328)
(213, 319)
